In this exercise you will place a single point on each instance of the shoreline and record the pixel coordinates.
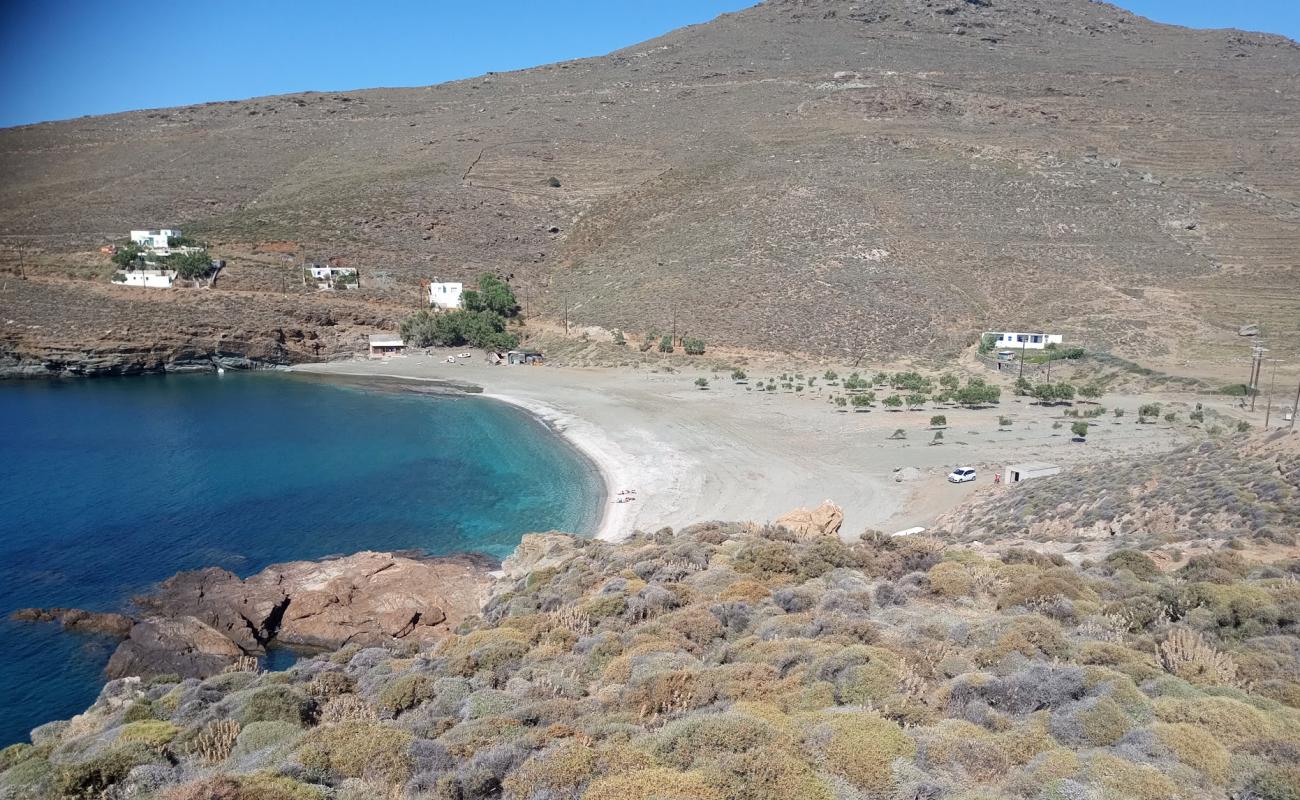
(591, 444)
(730, 453)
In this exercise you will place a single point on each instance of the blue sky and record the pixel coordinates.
(68, 58)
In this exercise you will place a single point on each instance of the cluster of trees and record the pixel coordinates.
(481, 322)
(692, 346)
(190, 265)
(1059, 392)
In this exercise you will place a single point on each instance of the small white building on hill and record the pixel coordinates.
(445, 295)
(1015, 340)
(1015, 473)
(148, 278)
(157, 241)
(386, 344)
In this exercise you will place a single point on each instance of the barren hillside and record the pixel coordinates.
(879, 176)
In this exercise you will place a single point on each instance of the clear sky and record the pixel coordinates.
(68, 58)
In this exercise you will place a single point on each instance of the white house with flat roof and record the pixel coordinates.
(445, 294)
(157, 241)
(1017, 340)
(148, 278)
(328, 276)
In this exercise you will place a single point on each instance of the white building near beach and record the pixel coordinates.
(1028, 341)
(445, 295)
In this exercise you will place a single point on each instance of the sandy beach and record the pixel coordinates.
(732, 453)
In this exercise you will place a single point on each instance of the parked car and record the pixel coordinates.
(961, 475)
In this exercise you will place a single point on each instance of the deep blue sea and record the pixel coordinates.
(108, 486)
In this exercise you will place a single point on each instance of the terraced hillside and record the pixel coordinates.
(880, 176)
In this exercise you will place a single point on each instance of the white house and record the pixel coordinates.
(445, 295)
(149, 278)
(1029, 341)
(322, 273)
(156, 240)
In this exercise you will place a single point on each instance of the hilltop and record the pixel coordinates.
(821, 176)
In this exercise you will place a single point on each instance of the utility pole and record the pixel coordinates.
(1022, 362)
(673, 338)
(22, 264)
(566, 315)
(1268, 410)
(1295, 407)
(1257, 362)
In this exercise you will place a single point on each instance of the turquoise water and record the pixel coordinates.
(109, 485)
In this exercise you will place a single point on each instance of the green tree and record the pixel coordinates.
(703, 383)
(987, 343)
(1023, 387)
(127, 256)
(916, 400)
(1090, 391)
(861, 402)
(938, 421)
(459, 327)
(831, 375)
(693, 347)
(190, 265)
(666, 344)
(1079, 429)
(738, 375)
(893, 401)
(493, 294)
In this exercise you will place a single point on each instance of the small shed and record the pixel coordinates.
(386, 344)
(1015, 473)
(530, 357)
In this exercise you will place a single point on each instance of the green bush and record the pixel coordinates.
(406, 693)
(277, 704)
(357, 750)
(258, 736)
(693, 347)
(89, 779)
(859, 747)
(153, 732)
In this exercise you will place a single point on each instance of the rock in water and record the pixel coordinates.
(74, 619)
(183, 645)
(824, 520)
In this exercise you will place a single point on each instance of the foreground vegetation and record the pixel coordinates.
(734, 661)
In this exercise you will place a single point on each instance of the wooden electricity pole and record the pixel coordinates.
(1295, 406)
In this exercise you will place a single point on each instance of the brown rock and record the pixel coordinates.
(537, 551)
(74, 619)
(824, 520)
(183, 645)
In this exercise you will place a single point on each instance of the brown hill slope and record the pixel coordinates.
(819, 175)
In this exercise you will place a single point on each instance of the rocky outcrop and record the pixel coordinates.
(538, 551)
(74, 619)
(181, 646)
(199, 622)
(824, 520)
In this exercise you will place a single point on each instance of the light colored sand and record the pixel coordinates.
(730, 453)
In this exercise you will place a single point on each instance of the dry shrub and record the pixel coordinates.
(1195, 747)
(1124, 779)
(358, 750)
(250, 787)
(746, 590)
(346, 708)
(951, 579)
(216, 740)
(1186, 654)
(328, 685)
(1031, 635)
(1234, 723)
(407, 692)
(964, 749)
(859, 747)
(243, 664)
(572, 619)
(654, 784)
(767, 772)
(558, 771)
(665, 693)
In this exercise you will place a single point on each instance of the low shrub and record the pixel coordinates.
(1196, 747)
(406, 693)
(654, 784)
(92, 777)
(859, 747)
(278, 704)
(358, 750)
(154, 733)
